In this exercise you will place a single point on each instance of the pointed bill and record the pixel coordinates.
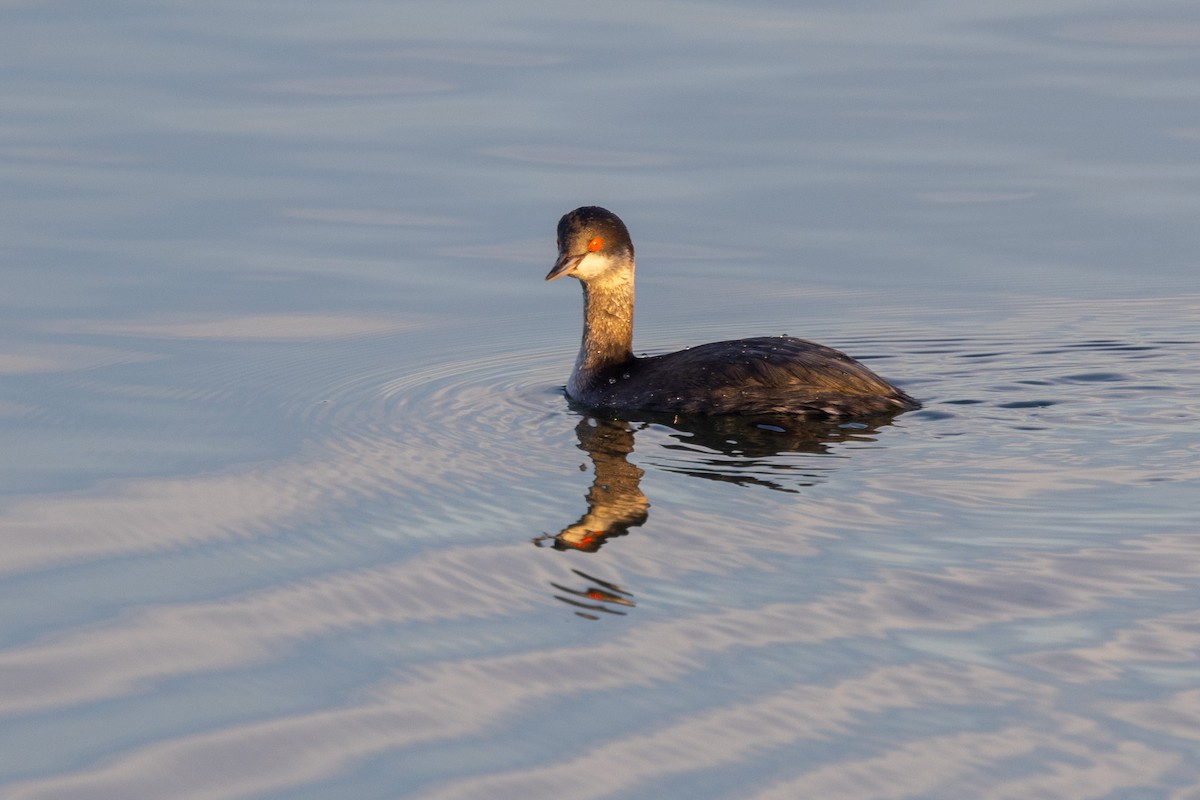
(565, 265)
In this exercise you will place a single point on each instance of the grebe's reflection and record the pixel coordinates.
(733, 449)
(598, 592)
(615, 500)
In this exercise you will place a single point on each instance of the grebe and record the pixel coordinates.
(763, 375)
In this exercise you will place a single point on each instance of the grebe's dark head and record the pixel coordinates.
(592, 241)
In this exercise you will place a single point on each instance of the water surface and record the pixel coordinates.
(292, 504)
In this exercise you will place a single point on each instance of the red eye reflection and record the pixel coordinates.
(595, 244)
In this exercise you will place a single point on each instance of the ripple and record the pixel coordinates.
(260, 327)
(578, 156)
(398, 523)
(1174, 33)
(480, 56)
(385, 424)
(42, 357)
(356, 86)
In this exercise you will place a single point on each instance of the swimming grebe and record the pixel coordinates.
(763, 375)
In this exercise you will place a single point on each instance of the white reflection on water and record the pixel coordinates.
(255, 327)
(578, 156)
(1166, 646)
(46, 357)
(356, 216)
(968, 761)
(172, 641)
(1176, 714)
(359, 86)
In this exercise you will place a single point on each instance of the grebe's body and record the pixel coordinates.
(762, 375)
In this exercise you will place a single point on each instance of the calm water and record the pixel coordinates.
(292, 505)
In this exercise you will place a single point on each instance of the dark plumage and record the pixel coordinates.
(762, 375)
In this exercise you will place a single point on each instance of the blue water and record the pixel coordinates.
(292, 504)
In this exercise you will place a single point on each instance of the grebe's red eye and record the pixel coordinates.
(595, 244)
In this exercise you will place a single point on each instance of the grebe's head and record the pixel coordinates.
(592, 241)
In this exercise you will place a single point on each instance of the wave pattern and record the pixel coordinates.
(991, 596)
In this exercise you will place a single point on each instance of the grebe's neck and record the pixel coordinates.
(607, 327)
